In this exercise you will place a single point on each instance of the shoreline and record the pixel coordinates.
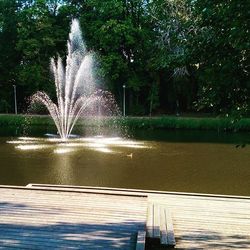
(160, 122)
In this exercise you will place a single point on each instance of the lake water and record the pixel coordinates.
(186, 161)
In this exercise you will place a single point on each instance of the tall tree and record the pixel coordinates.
(10, 57)
(119, 32)
(163, 51)
(36, 44)
(173, 21)
(220, 48)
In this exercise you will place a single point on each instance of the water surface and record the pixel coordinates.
(163, 160)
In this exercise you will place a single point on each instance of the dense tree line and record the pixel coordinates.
(173, 55)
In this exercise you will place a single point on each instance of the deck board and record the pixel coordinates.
(199, 221)
(208, 222)
(36, 219)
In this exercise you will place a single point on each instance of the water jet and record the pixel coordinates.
(75, 85)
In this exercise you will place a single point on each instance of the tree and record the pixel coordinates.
(173, 21)
(9, 55)
(171, 55)
(40, 36)
(220, 49)
(119, 32)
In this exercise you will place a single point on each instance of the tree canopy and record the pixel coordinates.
(173, 55)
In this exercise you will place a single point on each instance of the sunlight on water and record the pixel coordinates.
(208, 163)
(60, 146)
(56, 140)
(132, 146)
(63, 150)
(32, 147)
(20, 142)
(30, 138)
(71, 144)
(95, 145)
(103, 150)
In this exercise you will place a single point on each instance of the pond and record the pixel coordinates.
(185, 161)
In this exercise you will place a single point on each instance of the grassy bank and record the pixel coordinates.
(164, 122)
(20, 120)
(171, 122)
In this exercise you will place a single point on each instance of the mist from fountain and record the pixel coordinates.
(75, 85)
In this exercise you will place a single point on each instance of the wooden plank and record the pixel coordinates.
(34, 218)
(69, 239)
(170, 229)
(163, 227)
(200, 222)
(198, 199)
(141, 240)
(150, 220)
(156, 227)
(71, 212)
(144, 191)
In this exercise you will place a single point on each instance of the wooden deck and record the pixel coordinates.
(66, 217)
(39, 219)
(203, 222)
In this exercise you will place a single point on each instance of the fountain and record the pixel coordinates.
(75, 85)
(77, 96)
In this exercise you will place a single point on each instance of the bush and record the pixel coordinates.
(165, 122)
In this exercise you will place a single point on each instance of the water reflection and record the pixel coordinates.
(32, 147)
(62, 146)
(116, 162)
(63, 150)
(62, 166)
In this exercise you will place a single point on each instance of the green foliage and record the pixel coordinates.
(38, 36)
(122, 35)
(170, 122)
(153, 98)
(4, 106)
(9, 56)
(164, 122)
(178, 55)
(172, 20)
(137, 109)
(220, 49)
